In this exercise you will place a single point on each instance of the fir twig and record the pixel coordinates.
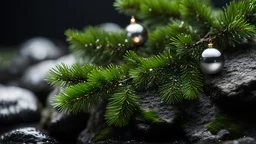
(121, 107)
(98, 46)
(63, 76)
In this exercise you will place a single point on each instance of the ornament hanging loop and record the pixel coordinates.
(210, 45)
(133, 20)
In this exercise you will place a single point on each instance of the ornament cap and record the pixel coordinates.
(210, 45)
(133, 20)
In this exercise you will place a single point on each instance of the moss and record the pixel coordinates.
(225, 122)
(103, 135)
(149, 116)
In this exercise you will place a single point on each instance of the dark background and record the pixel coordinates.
(24, 19)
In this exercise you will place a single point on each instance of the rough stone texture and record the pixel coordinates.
(33, 51)
(95, 124)
(17, 106)
(67, 126)
(245, 140)
(237, 79)
(150, 100)
(34, 77)
(197, 115)
(167, 129)
(26, 135)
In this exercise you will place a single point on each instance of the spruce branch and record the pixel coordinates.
(173, 68)
(160, 39)
(160, 11)
(123, 104)
(150, 71)
(99, 46)
(182, 42)
(198, 14)
(171, 92)
(128, 7)
(151, 11)
(191, 80)
(63, 76)
(232, 26)
(84, 96)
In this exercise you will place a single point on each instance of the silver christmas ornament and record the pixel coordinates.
(136, 32)
(211, 60)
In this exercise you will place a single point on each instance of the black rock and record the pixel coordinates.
(197, 114)
(34, 77)
(237, 79)
(166, 129)
(17, 106)
(150, 100)
(245, 140)
(110, 27)
(95, 125)
(63, 126)
(67, 126)
(33, 51)
(26, 135)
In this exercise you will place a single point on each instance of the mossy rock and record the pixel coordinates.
(234, 126)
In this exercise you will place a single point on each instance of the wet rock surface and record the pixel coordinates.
(67, 126)
(26, 135)
(33, 51)
(34, 77)
(17, 106)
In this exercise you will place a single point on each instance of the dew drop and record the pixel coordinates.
(151, 69)
(181, 24)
